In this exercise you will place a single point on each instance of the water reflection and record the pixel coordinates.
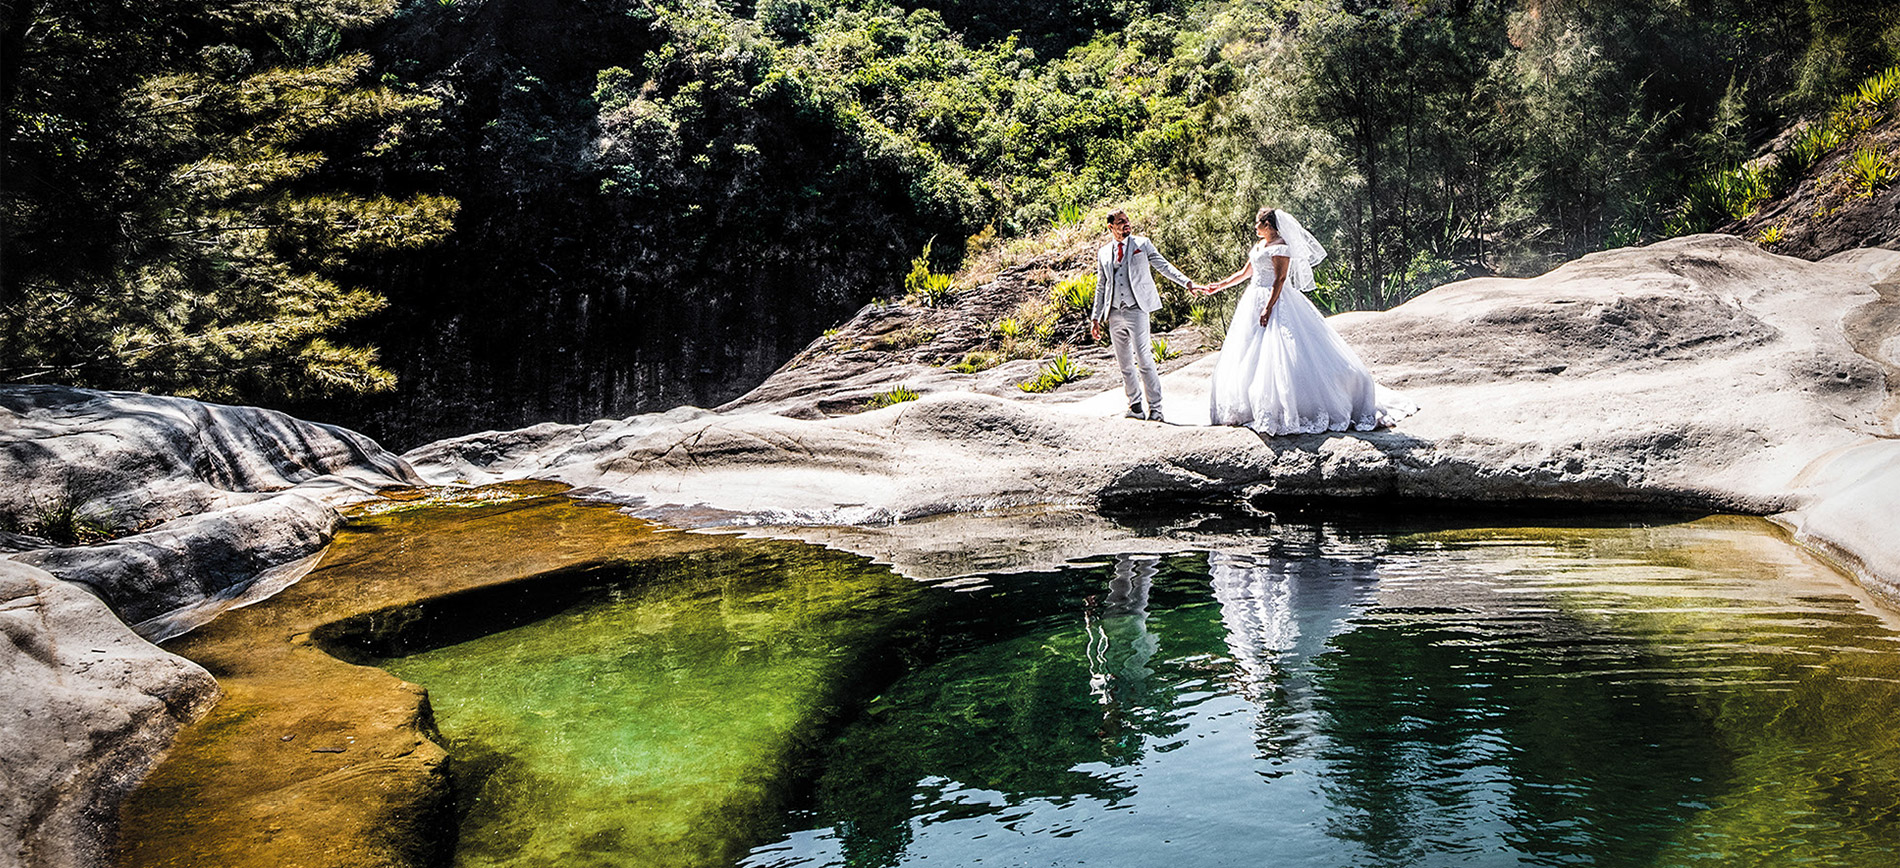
(1119, 641)
(1566, 697)
(1310, 697)
(1280, 608)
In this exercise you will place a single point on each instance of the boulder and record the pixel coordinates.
(89, 708)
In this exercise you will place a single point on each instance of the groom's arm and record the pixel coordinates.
(1161, 264)
(1098, 310)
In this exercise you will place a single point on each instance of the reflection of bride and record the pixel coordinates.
(1256, 607)
(1282, 368)
(1280, 611)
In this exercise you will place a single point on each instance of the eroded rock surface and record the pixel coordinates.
(211, 506)
(1698, 373)
(204, 499)
(89, 707)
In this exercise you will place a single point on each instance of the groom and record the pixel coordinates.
(1124, 296)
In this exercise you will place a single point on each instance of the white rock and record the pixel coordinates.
(1698, 373)
(89, 707)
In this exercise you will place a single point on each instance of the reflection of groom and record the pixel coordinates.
(1124, 296)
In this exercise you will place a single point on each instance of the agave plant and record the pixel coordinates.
(1871, 170)
(1880, 88)
(896, 395)
(1076, 294)
(1059, 370)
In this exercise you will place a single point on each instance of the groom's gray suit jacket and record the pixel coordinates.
(1138, 257)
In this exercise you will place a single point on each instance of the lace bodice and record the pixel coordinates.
(1262, 259)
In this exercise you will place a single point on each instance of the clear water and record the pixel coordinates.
(1693, 694)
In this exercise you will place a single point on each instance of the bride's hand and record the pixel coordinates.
(1266, 315)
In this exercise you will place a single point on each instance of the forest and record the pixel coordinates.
(426, 217)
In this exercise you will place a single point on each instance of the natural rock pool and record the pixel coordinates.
(1311, 693)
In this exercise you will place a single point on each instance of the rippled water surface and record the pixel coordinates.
(1299, 695)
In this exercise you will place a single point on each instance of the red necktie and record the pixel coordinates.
(1118, 250)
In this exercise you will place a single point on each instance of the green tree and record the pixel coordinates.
(187, 188)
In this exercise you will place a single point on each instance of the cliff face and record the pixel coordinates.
(1828, 210)
(612, 259)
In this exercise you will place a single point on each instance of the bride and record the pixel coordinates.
(1282, 369)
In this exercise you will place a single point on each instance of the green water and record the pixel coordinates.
(1305, 695)
(655, 722)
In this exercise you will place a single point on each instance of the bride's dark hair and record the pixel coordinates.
(1268, 218)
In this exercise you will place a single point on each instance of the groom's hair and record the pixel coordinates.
(1117, 213)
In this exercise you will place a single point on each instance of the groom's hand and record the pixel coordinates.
(1095, 330)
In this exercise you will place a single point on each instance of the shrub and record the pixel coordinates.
(1214, 313)
(1009, 328)
(977, 360)
(1075, 294)
(1162, 351)
(897, 395)
(929, 288)
(1068, 214)
(1060, 370)
(1870, 170)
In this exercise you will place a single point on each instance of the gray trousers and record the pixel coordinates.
(1134, 348)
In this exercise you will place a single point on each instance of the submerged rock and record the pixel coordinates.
(211, 506)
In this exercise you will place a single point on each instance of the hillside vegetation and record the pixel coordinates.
(431, 216)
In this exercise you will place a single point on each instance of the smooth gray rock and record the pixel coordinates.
(136, 460)
(1697, 373)
(171, 577)
(89, 707)
(229, 503)
(220, 496)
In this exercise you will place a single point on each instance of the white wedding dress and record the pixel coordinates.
(1294, 375)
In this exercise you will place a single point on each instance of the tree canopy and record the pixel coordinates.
(608, 203)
